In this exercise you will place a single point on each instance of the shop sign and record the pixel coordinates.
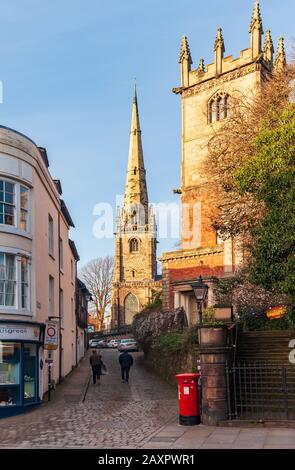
(13, 332)
(51, 335)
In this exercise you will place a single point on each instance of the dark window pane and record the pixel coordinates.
(9, 198)
(9, 187)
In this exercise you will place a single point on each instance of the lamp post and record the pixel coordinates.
(201, 292)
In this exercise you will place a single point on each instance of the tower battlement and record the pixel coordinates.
(254, 57)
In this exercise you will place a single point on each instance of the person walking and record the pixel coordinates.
(96, 365)
(126, 361)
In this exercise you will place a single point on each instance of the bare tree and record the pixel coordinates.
(233, 143)
(97, 276)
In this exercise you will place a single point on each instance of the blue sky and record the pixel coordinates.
(67, 68)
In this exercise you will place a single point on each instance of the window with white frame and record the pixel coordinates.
(7, 280)
(14, 205)
(14, 282)
(24, 208)
(7, 203)
(50, 235)
(24, 283)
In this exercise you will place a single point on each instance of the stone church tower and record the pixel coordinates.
(206, 94)
(135, 280)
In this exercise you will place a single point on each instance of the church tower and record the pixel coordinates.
(207, 94)
(135, 280)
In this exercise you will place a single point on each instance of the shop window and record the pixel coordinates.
(9, 374)
(30, 373)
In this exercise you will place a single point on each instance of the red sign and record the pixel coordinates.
(51, 335)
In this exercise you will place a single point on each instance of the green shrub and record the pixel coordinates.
(172, 342)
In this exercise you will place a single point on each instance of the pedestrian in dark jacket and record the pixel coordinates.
(96, 364)
(126, 361)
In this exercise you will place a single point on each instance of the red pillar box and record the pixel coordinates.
(188, 396)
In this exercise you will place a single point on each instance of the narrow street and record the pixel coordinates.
(105, 415)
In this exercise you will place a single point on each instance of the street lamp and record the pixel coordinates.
(201, 291)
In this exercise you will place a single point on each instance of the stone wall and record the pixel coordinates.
(169, 346)
(167, 363)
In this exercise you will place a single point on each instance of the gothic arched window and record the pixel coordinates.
(219, 107)
(212, 111)
(131, 307)
(133, 245)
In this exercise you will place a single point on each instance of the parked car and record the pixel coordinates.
(98, 343)
(128, 344)
(114, 343)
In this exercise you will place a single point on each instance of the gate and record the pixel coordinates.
(261, 391)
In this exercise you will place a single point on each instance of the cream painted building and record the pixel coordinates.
(37, 273)
(206, 95)
(135, 280)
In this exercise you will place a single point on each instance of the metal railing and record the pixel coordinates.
(261, 391)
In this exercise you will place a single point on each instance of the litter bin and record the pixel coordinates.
(189, 413)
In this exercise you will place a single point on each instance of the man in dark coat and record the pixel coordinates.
(96, 363)
(126, 361)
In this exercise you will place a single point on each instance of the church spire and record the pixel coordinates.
(280, 60)
(136, 188)
(268, 48)
(256, 30)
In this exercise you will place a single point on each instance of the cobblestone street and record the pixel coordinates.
(109, 414)
(141, 414)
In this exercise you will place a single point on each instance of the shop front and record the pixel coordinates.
(19, 366)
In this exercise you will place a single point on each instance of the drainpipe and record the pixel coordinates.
(76, 310)
(59, 312)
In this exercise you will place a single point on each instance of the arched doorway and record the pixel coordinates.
(131, 307)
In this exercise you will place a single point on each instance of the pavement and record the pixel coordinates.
(142, 415)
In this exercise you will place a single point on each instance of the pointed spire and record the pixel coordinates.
(256, 20)
(185, 53)
(268, 49)
(201, 67)
(219, 41)
(256, 30)
(185, 61)
(136, 188)
(219, 51)
(280, 60)
(135, 93)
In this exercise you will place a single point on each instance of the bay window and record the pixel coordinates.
(14, 282)
(24, 208)
(14, 205)
(24, 282)
(7, 203)
(7, 280)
